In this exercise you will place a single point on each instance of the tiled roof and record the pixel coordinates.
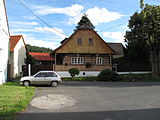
(13, 41)
(41, 56)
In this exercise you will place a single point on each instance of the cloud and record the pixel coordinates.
(21, 30)
(30, 39)
(55, 31)
(102, 15)
(29, 17)
(23, 23)
(115, 36)
(50, 31)
(73, 10)
(96, 15)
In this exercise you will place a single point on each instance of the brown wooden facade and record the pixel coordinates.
(84, 50)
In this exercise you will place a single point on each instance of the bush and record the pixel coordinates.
(73, 72)
(107, 75)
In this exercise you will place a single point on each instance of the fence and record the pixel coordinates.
(126, 67)
(35, 69)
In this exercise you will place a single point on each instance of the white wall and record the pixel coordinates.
(95, 73)
(81, 74)
(4, 43)
(18, 57)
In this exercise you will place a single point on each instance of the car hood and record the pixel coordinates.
(26, 78)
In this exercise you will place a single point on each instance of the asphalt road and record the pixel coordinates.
(95, 101)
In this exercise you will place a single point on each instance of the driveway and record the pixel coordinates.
(95, 101)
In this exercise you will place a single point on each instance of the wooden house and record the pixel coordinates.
(84, 50)
(118, 48)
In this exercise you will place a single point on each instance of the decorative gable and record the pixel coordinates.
(85, 41)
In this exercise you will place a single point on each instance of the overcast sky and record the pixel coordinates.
(110, 18)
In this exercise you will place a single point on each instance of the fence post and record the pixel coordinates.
(29, 69)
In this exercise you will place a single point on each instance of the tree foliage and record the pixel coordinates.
(29, 59)
(136, 46)
(145, 33)
(73, 72)
(107, 75)
(141, 4)
(85, 21)
(31, 48)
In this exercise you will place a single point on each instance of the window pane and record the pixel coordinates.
(99, 60)
(77, 60)
(41, 74)
(79, 41)
(90, 41)
(51, 74)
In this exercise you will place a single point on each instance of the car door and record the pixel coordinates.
(39, 78)
(51, 76)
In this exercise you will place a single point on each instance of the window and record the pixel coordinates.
(79, 41)
(90, 41)
(77, 60)
(99, 60)
(51, 74)
(41, 74)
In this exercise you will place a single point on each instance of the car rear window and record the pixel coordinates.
(51, 74)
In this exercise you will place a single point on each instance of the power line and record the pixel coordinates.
(39, 17)
(112, 27)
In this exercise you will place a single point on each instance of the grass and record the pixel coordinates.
(91, 78)
(122, 78)
(13, 99)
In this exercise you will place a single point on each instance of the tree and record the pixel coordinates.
(31, 48)
(136, 49)
(145, 29)
(73, 72)
(84, 21)
(29, 59)
(141, 4)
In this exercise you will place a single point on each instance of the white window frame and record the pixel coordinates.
(77, 60)
(99, 60)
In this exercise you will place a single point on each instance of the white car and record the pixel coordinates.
(42, 78)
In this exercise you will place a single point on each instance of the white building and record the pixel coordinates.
(17, 55)
(4, 42)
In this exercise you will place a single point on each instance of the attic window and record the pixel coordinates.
(90, 41)
(79, 41)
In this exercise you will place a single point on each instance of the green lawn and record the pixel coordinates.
(92, 78)
(13, 99)
(122, 78)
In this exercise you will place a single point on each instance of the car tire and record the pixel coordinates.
(54, 84)
(26, 83)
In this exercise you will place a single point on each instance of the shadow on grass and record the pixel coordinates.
(142, 114)
(12, 83)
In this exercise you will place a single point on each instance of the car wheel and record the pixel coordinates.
(26, 83)
(54, 84)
